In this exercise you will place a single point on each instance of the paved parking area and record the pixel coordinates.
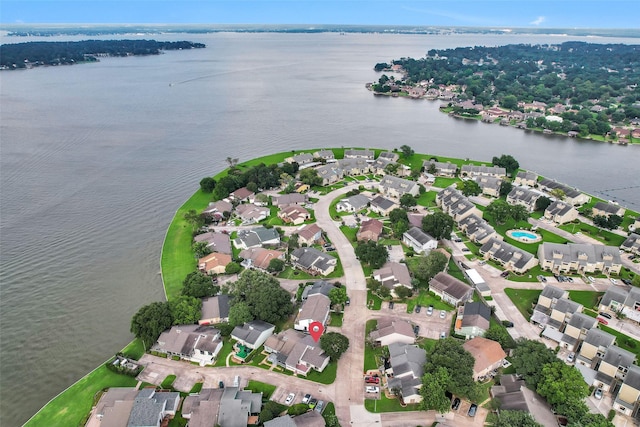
(396, 254)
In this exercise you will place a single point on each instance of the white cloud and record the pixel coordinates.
(539, 20)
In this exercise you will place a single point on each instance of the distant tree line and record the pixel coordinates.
(30, 54)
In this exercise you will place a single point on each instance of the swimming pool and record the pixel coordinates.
(524, 236)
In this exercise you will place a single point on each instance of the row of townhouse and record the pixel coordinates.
(581, 258)
(571, 195)
(621, 300)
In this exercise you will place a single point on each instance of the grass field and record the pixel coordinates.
(257, 387)
(387, 405)
(523, 299)
(589, 299)
(606, 237)
(328, 376)
(623, 341)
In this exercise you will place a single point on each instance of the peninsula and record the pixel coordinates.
(424, 272)
(578, 89)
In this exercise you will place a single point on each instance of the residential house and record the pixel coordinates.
(308, 419)
(214, 263)
(579, 257)
(353, 203)
(296, 351)
(524, 196)
(389, 155)
(254, 237)
(450, 289)
(354, 166)
(628, 399)
(196, 343)
(214, 310)
(238, 408)
(475, 170)
(316, 308)
(415, 219)
(290, 199)
(455, 204)
(201, 409)
(472, 320)
(489, 185)
(487, 354)
(393, 186)
(526, 178)
(330, 173)
(571, 195)
(218, 211)
(607, 209)
(632, 244)
(477, 229)
(514, 395)
(242, 195)
(216, 242)
(613, 368)
(259, 258)
(382, 206)
(560, 212)
(294, 214)
(419, 241)
(301, 159)
(309, 234)
(359, 154)
(390, 330)
(593, 347)
(370, 229)
(250, 213)
(546, 301)
(252, 334)
(509, 256)
(325, 155)
(447, 169)
(631, 307)
(636, 224)
(613, 299)
(406, 371)
(392, 275)
(313, 261)
(124, 406)
(576, 330)
(319, 287)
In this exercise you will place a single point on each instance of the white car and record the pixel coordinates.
(290, 398)
(372, 389)
(591, 279)
(306, 398)
(614, 281)
(443, 314)
(571, 357)
(598, 394)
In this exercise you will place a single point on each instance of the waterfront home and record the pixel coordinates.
(251, 214)
(283, 200)
(447, 169)
(524, 196)
(314, 309)
(514, 395)
(509, 256)
(353, 167)
(252, 334)
(301, 159)
(607, 209)
(389, 155)
(476, 170)
(218, 211)
(216, 242)
(370, 229)
(487, 354)
(390, 330)
(406, 371)
(382, 206)
(450, 289)
(309, 234)
(258, 236)
(393, 186)
(330, 173)
(214, 263)
(353, 203)
(242, 195)
(327, 155)
(489, 185)
(593, 348)
(128, 406)
(195, 343)
(579, 257)
(359, 154)
(525, 178)
(313, 261)
(472, 320)
(576, 330)
(628, 399)
(259, 258)
(477, 229)
(294, 214)
(296, 351)
(455, 204)
(632, 244)
(613, 368)
(392, 275)
(379, 167)
(571, 195)
(214, 310)
(419, 241)
(560, 212)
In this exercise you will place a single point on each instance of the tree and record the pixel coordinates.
(150, 321)
(403, 292)
(185, 310)
(239, 314)
(207, 184)
(310, 177)
(199, 285)
(518, 213)
(334, 344)
(276, 265)
(391, 168)
(270, 410)
(542, 203)
(450, 355)
(439, 225)
(611, 222)
(373, 285)
(232, 162)
(508, 162)
(434, 387)
(558, 193)
(528, 359)
(427, 267)
(399, 227)
(407, 200)
(338, 295)
(499, 334)
(470, 188)
(233, 268)
(406, 151)
(200, 249)
(194, 219)
(267, 301)
(588, 419)
(500, 210)
(561, 384)
(505, 188)
(262, 198)
(510, 102)
(516, 419)
(372, 253)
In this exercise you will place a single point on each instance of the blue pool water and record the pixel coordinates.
(525, 234)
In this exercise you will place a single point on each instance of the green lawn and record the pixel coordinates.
(349, 232)
(336, 319)
(257, 387)
(623, 341)
(425, 299)
(227, 347)
(168, 382)
(606, 237)
(443, 182)
(427, 199)
(523, 299)
(589, 299)
(371, 354)
(328, 376)
(329, 411)
(374, 302)
(387, 405)
(291, 273)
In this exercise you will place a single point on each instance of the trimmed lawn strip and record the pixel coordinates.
(623, 341)
(523, 299)
(387, 405)
(603, 236)
(427, 199)
(371, 354)
(328, 376)
(336, 319)
(425, 299)
(589, 299)
(329, 412)
(227, 347)
(260, 387)
(168, 382)
(134, 350)
(374, 302)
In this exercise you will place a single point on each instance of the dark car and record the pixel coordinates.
(220, 384)
(456, 404)
(418, 308)
(472, 410)
(626, 282)
(603, 314)
(507, 324)
(348, 301)
(391, 305)
(504, 274)
(416, 329)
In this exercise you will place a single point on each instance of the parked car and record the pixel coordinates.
(220, 384)
(472, 410)
(443, 314)
(598, 394)
(312, 403)
(372, 389)
(320, 406)
(416, 329)
(418, 308)
(507, 323)
(456, 404)
(601, 320)
(290, 398)
(465, 250)
(372, 380)
(627, 282)
(429, 310)
(571, 357)
(614, 281)
(504, 274)
(483, 262)
(306, 398)
(443, 335)
(463, 265)
(570, 279)
(591, 279)
(391, 305)
(605, 315)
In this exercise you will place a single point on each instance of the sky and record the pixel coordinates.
(477, 13)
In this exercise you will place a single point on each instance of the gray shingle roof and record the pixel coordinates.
(382, 203)
(418, 235)
(599, 338)
(250, 332)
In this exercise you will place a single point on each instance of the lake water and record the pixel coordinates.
(96, 158)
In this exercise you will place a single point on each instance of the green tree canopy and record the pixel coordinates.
(408, 200)
(508, 162)
(499, 334)
(406, 151)
(469, 187)
(500, 210)
(516, 419)
(233, 268)
(149, 322)
(505, 188)
(542, 203)
(450, 355)
(427, 267)
(207, 184)
(275, 265)
(199, 285)
(561, 384)
(434, 387)
(185, 310)
(200, 249)
(338, 295)
(439, 225)
(334, 344)
(239, 314)
(267, 301)
(194, 219)
(372, 253)
(528, 359)
(310, 177)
